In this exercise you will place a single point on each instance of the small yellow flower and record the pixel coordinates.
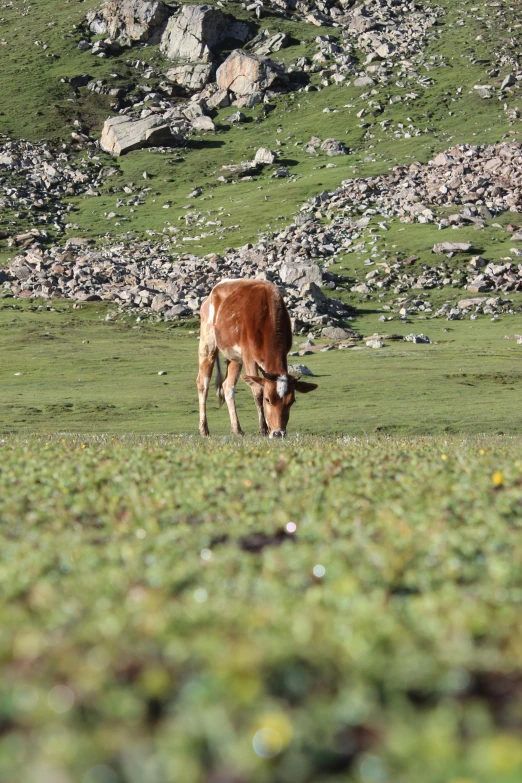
(482, 452)
(497, 478)
(444, 457)
(84, 446)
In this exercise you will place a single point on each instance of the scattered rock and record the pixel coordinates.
(243, 73)
(237, 116)
(193, 33)
(273, 44)
(265, 156)
(452, 247)
(416, 338)
(203, 123)
(300, 369)
(191, 76)
(127, 21)
(333, 147)
(338, 333)
(121, 134)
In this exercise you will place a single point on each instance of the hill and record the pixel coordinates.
(391, 85)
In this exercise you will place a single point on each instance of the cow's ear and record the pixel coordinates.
(253, 380)
(304, 387)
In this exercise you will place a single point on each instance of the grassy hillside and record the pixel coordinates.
(464, 47)
(361, 623)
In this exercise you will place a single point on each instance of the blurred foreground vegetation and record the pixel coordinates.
(317, 610)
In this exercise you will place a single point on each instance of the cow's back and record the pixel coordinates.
(252, 315)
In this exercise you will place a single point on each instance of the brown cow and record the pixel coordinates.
(248, 322)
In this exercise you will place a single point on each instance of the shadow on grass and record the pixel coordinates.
(203, 144)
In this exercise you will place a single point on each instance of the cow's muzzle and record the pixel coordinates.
(277, 434)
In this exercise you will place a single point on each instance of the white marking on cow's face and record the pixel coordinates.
(282, 385)
(230, 394)
(211, 312)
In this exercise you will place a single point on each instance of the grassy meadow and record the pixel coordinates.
(71, 370)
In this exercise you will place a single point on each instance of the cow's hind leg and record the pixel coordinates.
(207, 353)
(229, 387)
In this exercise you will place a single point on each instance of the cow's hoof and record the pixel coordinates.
(203, 431)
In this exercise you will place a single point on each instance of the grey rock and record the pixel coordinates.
(121, 134)
(300, 369)
(203, 124)
(237, 116)
(337, 333)
(416, 338)
(273, 44)
(361, 24)
(129, 20)
(248, 101)
(465, 304)
(333, 147)
(452, 247)
(300, 274)
(364, 81)
(265, 156)
(508, 81)
(219, 100)
(159, 303)
(192, 34)
(243, 73)
(241, 169)
(191, 76)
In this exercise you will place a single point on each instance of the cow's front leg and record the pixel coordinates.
(229, 387)
(203, 382)
(207, 356)
(257, 392)
(258, 399)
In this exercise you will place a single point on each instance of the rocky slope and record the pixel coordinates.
(211, 60)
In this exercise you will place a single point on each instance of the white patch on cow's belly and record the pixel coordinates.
(211, 312)
(233, 354)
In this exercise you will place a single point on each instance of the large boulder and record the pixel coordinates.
(191, 76)
(192, 34)
(244, 74)
(300, 274)
(129, 20)
(122, 134)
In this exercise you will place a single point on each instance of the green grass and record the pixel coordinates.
(468, 380)
(127, 656)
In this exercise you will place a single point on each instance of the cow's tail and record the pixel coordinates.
(220, 393)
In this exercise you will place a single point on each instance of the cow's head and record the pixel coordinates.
(278, 397)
